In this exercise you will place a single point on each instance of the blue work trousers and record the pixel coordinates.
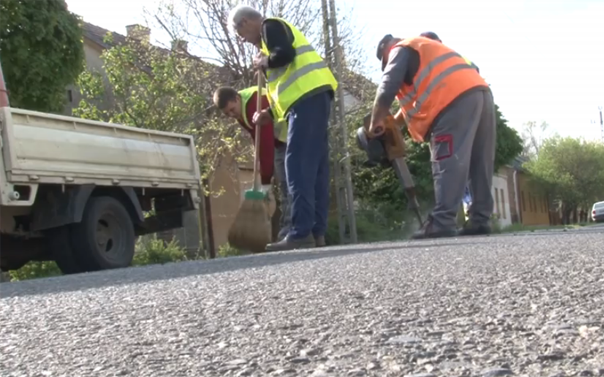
(307, 165)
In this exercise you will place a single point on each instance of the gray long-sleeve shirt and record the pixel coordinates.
(403, 63)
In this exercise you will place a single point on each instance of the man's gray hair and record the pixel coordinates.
(241, 12)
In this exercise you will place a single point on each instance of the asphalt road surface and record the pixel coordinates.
(481, 306)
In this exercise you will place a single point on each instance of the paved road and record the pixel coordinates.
(529, 305)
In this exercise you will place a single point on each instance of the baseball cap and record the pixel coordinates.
(380, 49)
(431, 35)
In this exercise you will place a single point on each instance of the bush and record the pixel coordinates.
(34, 270)
(373, 225)
(151, 250)
(148, 250)
(227, 250)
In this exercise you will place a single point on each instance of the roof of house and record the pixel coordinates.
(355, 84)
(97, 34)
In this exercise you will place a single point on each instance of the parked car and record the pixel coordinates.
(597, 212)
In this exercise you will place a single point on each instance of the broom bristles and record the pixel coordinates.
(251, 229)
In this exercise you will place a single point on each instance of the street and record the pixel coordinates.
(527, 305)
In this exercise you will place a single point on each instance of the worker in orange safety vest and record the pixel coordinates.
(445, 101)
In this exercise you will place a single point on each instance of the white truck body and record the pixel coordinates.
(40, 148)
(77, 191)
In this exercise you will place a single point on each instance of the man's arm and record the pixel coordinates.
(279, 41)
(392, 80)
(267, 141)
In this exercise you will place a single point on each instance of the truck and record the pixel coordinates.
(79, 192)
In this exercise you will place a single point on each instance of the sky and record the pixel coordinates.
(543, 59)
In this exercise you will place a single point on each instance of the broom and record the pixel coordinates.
(251, 229)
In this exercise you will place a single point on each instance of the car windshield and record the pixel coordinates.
(599, 205)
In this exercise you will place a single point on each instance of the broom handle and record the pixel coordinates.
(257, 131)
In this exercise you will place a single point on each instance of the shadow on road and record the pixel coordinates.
(136, 275)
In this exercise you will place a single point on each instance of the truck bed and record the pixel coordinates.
(47, 148)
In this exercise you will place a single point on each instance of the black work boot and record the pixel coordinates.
(320, 241)
(289, 243)
(429, 231)
(470, 229)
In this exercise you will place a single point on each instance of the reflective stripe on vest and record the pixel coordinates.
(246, 94)
(443, 75)
(279, 128)
(435, 82)
(307, 72)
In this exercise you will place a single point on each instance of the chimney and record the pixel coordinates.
(180, 45)
(138, 32)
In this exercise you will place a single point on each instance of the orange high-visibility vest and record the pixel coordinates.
(443, 75)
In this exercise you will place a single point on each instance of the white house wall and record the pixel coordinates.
(501, 204)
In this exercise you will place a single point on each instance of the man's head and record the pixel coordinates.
(384, 48)
(247, 23)
(431, 35)
(228, 100)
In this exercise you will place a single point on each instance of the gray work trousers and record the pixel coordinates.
(284, 197)
(462, 146)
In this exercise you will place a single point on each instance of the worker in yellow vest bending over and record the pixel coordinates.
(241, 105)
(300, 91)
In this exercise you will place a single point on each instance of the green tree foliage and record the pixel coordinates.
(509, 143)
(149, 87)
(378, 187)
(570, 171)
(41, 50)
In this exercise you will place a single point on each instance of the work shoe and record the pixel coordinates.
(475, 230)
(289, 243)
(428, 231)
(320, 241)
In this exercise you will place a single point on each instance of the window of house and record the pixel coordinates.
(69, 96)
(497, 200)
(502, 203)
(523, 202)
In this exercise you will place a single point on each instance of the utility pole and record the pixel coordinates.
(601, 123)
(342, 174)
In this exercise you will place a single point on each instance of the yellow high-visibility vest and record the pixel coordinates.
(307, 72)
(279, 128)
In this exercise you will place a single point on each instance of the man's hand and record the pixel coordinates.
(377, 126)
(260, 61)
(262, 118)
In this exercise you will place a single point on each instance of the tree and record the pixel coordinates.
(42, 52)
(533, 136)
(570, 171)
(509, 144)
(158, 89)
(204, 24)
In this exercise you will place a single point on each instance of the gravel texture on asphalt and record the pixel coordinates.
(480, 306)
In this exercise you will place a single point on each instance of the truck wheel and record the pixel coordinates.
(59, 243)
(105, 238)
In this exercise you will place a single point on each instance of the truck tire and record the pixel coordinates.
(59, 242)
(105, 237)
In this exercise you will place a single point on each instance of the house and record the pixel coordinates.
(526, 205)
(229, 178)
(501, 203)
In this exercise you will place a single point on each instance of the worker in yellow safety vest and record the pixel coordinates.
(300, 90)
(241, 106)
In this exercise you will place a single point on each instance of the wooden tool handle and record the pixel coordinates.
(257, 132)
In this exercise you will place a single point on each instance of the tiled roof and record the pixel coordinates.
(97, 34)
